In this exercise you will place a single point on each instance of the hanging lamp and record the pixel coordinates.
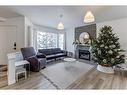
(60, 26)
(89, 17)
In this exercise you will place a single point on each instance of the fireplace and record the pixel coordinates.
(84, 54)
(82, 46)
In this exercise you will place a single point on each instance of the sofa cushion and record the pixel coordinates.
(55, 55)
(44, 51)
(50, 56)
(50, 51)
(57, 50)
(60, 54)
(40, 55)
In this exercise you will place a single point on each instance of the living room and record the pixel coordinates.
(56, 47)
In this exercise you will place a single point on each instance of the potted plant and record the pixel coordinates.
(106, 50)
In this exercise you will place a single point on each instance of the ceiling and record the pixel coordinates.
(72, 15)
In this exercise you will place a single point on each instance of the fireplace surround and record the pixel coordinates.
(82, 50)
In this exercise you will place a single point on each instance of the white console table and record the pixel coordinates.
(22, 69)
(14, 59)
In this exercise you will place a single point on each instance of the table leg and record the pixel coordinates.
(29, 69)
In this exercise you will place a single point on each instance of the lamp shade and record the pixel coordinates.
(60, 26)
(89, 17)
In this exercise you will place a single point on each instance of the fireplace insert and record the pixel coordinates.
(84, 54)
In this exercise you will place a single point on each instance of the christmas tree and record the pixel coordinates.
(106, 48)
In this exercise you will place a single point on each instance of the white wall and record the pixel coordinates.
(70, 39)
(29, 27)
(22, 23)
(19, 23)
(17, 33)
(120, 28)
(47, 29)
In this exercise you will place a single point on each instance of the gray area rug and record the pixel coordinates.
(63, 74)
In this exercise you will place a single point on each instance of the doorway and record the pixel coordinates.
(8, 40)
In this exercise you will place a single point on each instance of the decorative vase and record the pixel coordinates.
(105, 69)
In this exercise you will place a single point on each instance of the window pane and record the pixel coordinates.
(46, 40)
(41, 40)
(61, 41)
(51, 40)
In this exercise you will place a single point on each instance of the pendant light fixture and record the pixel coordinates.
(89, 17)
(60, 26)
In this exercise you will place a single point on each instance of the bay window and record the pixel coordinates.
(47, 40)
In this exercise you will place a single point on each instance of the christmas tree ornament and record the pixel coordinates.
(106, 47)
(112, 60)
(99, 52)
(110, 52)
(102, 45)
(104, 60)
(113, 46)
(117, 56)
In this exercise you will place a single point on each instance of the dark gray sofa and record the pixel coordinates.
(53, 53)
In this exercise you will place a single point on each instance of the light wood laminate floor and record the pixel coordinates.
(3, 79)
(3, 75)
(92, 80)
(98, 80)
